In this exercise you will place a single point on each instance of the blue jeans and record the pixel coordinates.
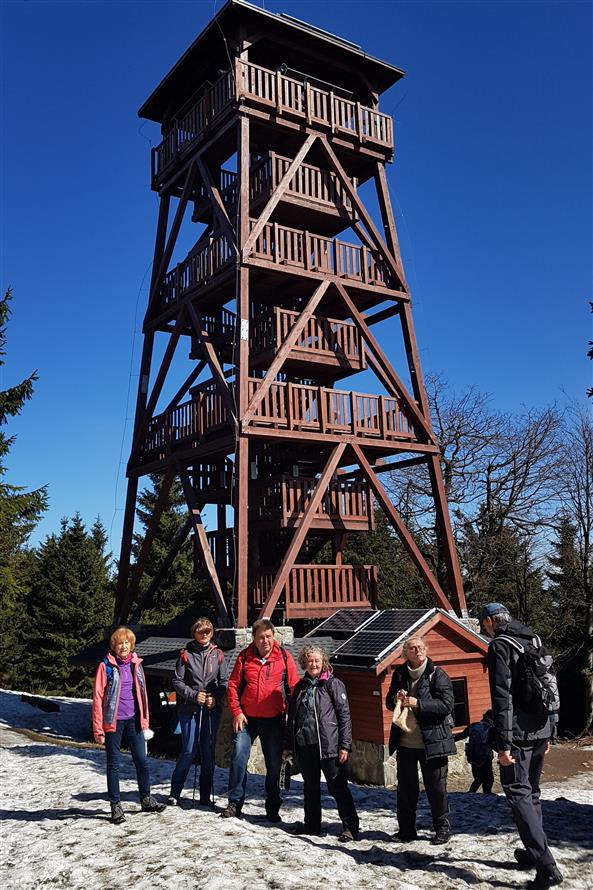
(198, 728)
(271, 733)
(126, 730)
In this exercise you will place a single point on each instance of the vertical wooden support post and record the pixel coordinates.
(141, 400)
(241, 492)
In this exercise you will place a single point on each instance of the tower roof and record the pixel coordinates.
(285, 40)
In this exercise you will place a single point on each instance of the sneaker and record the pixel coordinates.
(117, 814)
(523, 858)
(172, 801)
(151, 805)
(301, 828)
(545, 877)
(441, 837)
(231, 810)
(404, 838)
(348, 834)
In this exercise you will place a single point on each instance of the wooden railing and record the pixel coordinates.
(293, 97)
(222, 549)
(284, 499)
(318, 589)
(284, 95)
(304, 408)
(328, 337)
(315, 253)
(208, 259)
(212, 477)
(190, 127)
(188, 423)
(310, 182)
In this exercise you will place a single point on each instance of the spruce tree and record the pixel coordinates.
(178, 590)
(20, 511)
(69, 607)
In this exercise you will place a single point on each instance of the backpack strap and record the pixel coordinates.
(517, 646)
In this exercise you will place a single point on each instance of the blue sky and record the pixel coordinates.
(491, 186)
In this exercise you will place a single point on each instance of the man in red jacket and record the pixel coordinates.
(263, 678)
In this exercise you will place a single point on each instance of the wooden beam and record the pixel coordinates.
(454, 580)
(362, 212)
(147, 414)
(189, 380)
(402, 392)
(400, 528)
(151, 529)
(212, 359)
(217, 202)
(387, 215)
(384, 314)
(172, 240)
(277, 195)
(385, 467)
(283, 352)
(200, 533)
(301, 531)
(176, 545)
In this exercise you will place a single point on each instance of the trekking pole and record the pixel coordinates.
(196, 746)
(212, 763)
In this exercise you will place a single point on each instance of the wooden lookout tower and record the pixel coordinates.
(271, 129)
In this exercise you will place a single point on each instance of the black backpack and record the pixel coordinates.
(478, 750)
(535, 687)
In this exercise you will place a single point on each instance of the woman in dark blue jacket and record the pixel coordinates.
(319, 736)
(199, 683)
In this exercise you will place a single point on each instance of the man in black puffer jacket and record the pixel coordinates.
(424, 689)
(522, 739)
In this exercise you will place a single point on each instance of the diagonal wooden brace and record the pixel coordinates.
(217, 203)
(283, 352)
(277, 196)
(212, 359)
(400, 390)
(163, 497)
(164, 567)
(362, 212)
(301, 531)
(176, 225)
(403, 533)
(200, 533)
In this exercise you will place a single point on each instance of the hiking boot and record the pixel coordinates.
(404, 838)
(206, 802)
(301, 828)
(523, 858)
(172, 801)
(545, 877)
(231, 810)
(441, 837)
(117, 814)
(348, 834)
(274, 816)
(151, 805)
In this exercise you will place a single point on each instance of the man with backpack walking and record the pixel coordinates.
(259, 687)
(524, 705)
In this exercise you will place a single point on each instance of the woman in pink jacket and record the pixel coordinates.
(120, 712)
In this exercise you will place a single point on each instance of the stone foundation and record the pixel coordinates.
(240, 637)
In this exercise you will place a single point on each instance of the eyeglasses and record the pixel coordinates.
(417, 648)
(204, 630)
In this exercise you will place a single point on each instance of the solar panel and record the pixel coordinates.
(397, 621)
(343, 623)
(381, 634)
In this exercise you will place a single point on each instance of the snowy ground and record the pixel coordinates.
(55, 831)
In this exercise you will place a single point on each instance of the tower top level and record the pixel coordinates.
(276, 41)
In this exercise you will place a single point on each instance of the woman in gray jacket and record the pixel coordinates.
(319, 736)
(199, 683)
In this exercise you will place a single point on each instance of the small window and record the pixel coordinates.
(460, 708)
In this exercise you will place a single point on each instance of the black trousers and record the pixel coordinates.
(520, 782)
(434, 775)
(483, 776)
(311, 766)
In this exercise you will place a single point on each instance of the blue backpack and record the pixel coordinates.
(478, 749)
